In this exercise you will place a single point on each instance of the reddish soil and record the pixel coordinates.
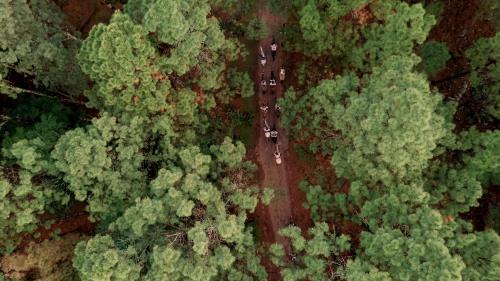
(78, 221)
(79, 12)
(83, 15)
(286, 207)
(459, 27)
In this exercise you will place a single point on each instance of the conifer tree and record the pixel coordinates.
(484, 57)
(37, 44)
(385, 132)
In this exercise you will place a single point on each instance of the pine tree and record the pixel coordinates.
(37, 44)
(30, 185)
(119, 58)
(385, 132)
(484, 57)
(311, 259)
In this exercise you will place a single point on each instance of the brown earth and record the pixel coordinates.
(459, 26)
(49, 260)
(286, 207)
(83, 15)
(78, 221)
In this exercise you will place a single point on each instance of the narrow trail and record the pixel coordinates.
(286, 207)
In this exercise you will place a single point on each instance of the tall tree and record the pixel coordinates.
(387, 131)
(311, 259)
(484, 57)
(37, 45)
(29, 180)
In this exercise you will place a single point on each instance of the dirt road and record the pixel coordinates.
(285, 208)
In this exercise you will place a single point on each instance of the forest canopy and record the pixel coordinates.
(131, 140)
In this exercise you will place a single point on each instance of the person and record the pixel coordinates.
(267, 130)
(274, 135)
(277, 109)
(262, 57)
(282, 74)
(277, 156)
(263, 82)
(272, 81)
(263, 93)
(274, 49)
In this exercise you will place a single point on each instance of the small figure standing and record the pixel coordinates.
(277, 110)
(267, 130)
(277, 156)
(272, 81)
(274, 135)
(263, 82)
(262, 57)
(282, 74)
(274, 49)
(263, 93)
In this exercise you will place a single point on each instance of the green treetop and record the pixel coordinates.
(387, 131)
(29, 180)
(484, 57)
(119, 58)
(37, 44)
(311, 259)
(180, 226)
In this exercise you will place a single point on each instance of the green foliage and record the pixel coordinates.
(484, 162)
(30, 185)
(434, 57)
(99, 259)
(319, 28)
(484, 57)
(256, 30)
(480, 254)
(119, 58)
(239, 84)
(457, 187)
(405, 237)
(37, 44)
(101, 163)
(21, 203)
(386, 132)
(234, 7)
(391, 136)
(389, 130)
(139, 55)
(170, 191)
(322, 29)
(194, 38)
(319, 202)
(229, 154)
(153, 193)
(267, 196)
(435, 8)
(310, 258)
(32, 131)
(399, 257)
(311, 114)
(404, 26)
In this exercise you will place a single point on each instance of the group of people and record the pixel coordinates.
(271, 131)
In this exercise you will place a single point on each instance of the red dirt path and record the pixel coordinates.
(286, 207)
